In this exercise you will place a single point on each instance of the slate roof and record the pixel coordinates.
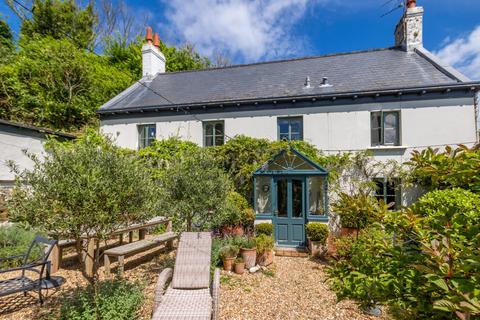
(380, 69)
(27, 127)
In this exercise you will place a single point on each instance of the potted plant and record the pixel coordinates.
(239, 265)
(227, 254)
(265, 245)
(248, 250)
(317, 234)
(264, 228)
(236, 214)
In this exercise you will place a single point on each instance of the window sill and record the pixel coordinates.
(388, 148)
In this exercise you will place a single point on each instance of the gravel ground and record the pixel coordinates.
(291, 288)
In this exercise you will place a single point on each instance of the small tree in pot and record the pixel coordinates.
(265, 245)
(248, 251)
(228, 254)
(317, 234)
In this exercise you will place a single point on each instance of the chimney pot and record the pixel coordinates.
(156, 40)
(411, 3)
(148, 36)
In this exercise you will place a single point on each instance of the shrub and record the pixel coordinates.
(422, 262)
(264, 243)
(317, 231)
(248, 243)
(358, 210)
(264, 228)
(228, 251)
(239, 260)
(14, 241)
(110, 300)
(235, 212)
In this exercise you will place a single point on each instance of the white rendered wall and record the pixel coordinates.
(342, 127)
(12, 146)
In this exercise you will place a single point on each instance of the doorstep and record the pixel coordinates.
(290, 252)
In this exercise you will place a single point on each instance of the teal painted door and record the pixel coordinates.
(290, 211)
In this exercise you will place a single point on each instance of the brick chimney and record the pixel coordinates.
(153, 60)
(409, 31)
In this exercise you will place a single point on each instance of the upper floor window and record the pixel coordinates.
(388, 190)
(146, 135)
(290, 128)
(213, 133)
(385, 127)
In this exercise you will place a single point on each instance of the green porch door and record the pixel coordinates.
(290, 211)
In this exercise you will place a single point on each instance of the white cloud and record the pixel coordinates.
(245, 30)
(463, 53)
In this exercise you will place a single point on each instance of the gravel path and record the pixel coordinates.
(292, 288)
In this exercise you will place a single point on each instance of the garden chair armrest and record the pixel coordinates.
(164, 277)
(13, 257)
(29, 266)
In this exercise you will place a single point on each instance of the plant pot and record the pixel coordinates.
(233, 230)
(228, 264)
(331, 245)
(346, 231)
(317, 249)
(239, 267)
(249, 256)
(266, 258)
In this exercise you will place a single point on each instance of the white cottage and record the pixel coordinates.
(390, 101)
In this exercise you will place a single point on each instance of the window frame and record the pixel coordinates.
(383, 114)
(147, 140)
(384, 194)
(290, 119)
(213, 135)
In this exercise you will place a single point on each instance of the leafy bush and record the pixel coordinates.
(228, 251)
(317, 231)
(236, 212)
(422, 262)
(264, 243)
(358, 210)
(14, 241)
(109, 300)
(248, 243)
(264, 228)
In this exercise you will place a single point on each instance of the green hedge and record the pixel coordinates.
(317, 231)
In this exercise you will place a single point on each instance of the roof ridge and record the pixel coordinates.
(281, 61)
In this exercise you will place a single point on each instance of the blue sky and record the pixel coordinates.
(251, 31)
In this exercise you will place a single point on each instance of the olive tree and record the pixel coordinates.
(84, 190)
(196, 189)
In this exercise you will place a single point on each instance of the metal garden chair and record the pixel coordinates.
(40, 266)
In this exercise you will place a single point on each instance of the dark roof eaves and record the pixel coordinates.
(38, 129)
(474, 85)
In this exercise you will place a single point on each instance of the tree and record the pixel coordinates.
(58, 19)
(196, 190)
(86, 188)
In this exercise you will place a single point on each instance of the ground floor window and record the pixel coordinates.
(388, 190)
(213, 133)
(146, 135)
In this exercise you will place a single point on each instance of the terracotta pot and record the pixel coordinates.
(249, 256)
(228, 264)
(316, 248)
(348, 231)
(331, 246)
(265, 259)
(239, 267)
(233, 230)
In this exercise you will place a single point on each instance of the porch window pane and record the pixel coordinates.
(264, 195)
(282, 198)
(297, 198)
(316, 196)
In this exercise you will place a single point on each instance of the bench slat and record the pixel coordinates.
(139, 245)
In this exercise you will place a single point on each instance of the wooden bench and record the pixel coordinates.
(136, 247)
(57, 253)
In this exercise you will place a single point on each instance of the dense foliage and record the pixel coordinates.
(15, 241)
(264, 243)
(317, 231)
(422, 262)
(452, 168)
(109, 300)
(85, 187)
(50, 76)
(358, 210)
(264, 228)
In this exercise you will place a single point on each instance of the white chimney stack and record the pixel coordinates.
(153, 60)
(409, 31)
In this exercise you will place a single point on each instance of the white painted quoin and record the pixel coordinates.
(390, 101)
